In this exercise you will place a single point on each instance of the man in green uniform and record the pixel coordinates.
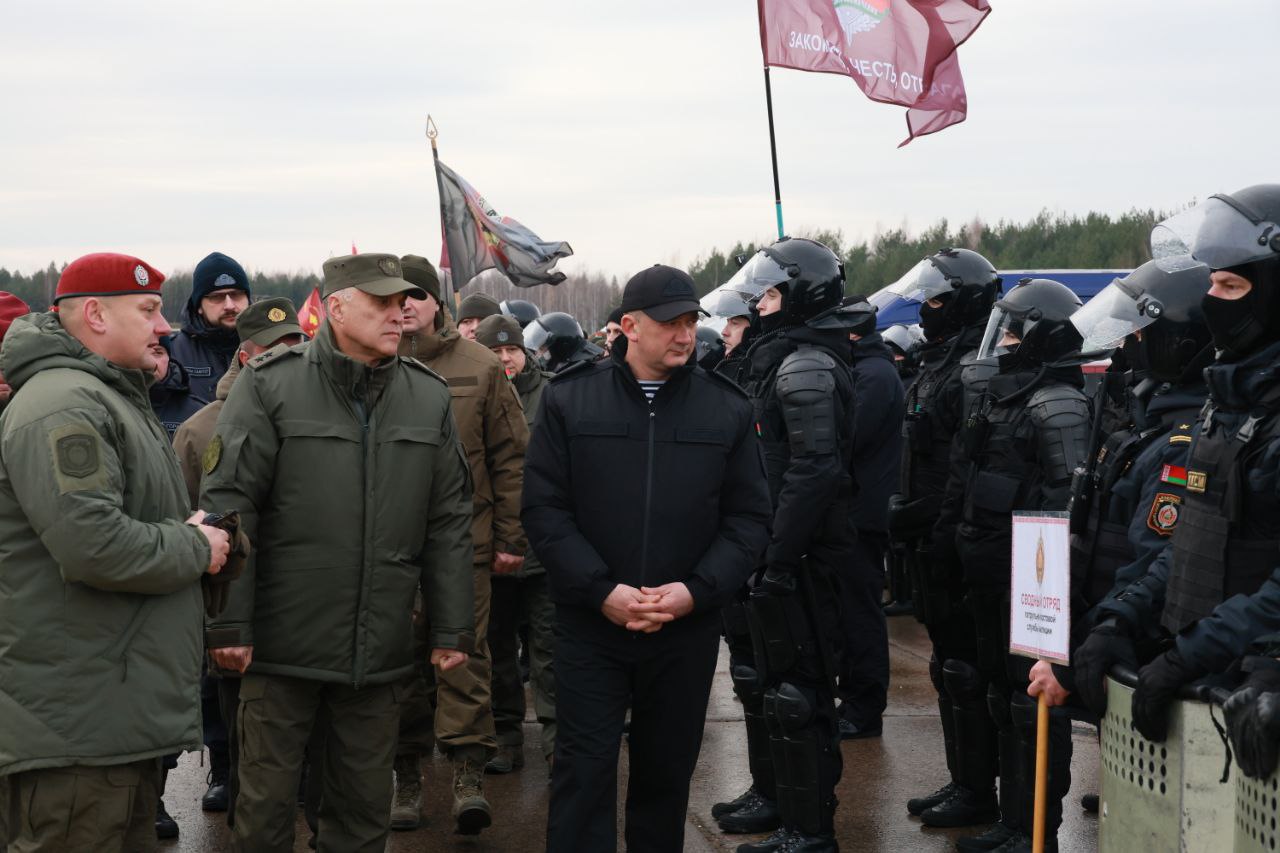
(493, 433)
(261, 326)
(344, 464)
(99, 569)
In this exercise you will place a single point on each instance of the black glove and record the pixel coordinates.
(1107, 645)
(217, 588)
(1253, 718)
(1158, 685)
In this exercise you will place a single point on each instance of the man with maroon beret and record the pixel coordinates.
(11, 308)
(100, 567)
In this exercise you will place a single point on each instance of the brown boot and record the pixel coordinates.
(470, 808)
(406, 808)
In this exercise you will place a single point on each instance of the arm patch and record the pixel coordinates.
(77, 455)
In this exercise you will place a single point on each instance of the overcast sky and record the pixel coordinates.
(279, 132)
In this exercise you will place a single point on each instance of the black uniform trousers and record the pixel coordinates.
(864, 674)
(666, 681)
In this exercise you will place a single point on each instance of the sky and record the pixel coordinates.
(280, 132)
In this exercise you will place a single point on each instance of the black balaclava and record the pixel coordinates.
(1243, 326)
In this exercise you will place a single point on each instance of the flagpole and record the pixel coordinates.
(446, 288)
(773, 152)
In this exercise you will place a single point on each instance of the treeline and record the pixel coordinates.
(1048, 241)
(589, 297)
(1093, 241)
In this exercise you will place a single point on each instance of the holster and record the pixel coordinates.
(217, 588)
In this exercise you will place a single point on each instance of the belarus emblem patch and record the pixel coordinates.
(1163, 517)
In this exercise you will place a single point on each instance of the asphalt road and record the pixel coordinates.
(879, 776)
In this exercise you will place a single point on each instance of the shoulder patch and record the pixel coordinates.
(413, 362)
(1163, 517)
(212, 455)
(78, 458)
(273, 355)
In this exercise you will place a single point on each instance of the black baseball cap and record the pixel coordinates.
(662, 292)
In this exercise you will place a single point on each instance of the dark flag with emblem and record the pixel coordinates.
(897, 51)
(477, 238)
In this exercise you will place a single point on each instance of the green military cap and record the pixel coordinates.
(375, 274)
(477, 306)
(499, 330)
(266, 322)
(419, 271)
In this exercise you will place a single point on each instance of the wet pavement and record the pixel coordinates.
(880, 774)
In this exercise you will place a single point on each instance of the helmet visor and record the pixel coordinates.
(756, 276)
(536, 337)
(722, 304)
(1220, 232)
(920, 284)
(1111, 316)
(1003, 334)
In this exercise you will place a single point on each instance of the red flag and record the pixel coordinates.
(354, 250)
(311, 314)
(897, 51)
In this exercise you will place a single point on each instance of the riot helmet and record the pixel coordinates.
(523, 311)
(553, 338)
(1236, 233)
(902, 339)
(1162, 299)
(963, 281)
(1030, 327)
(809, 276)
(725, 303)
(708, 343)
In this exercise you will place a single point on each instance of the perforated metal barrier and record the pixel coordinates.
(1255, 813)
(1163, 797)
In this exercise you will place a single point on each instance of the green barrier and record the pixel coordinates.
(1162, 797)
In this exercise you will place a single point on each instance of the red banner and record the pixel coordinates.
(897, 51)
(311, 314)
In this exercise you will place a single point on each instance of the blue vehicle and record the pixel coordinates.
(1084, 283)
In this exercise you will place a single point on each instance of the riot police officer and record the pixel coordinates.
(522, 311)
(1215, 589)
(798, 376)
(1022, 442)
(1126, 501)
(559, 342)
(955, 289)
(903, 341)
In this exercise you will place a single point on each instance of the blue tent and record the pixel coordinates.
(1085, 284)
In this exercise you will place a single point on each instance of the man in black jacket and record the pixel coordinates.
(207, 341)
(878, 398)
(638, 594)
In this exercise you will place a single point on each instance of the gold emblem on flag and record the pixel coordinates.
(1196, 481)
(276, 315)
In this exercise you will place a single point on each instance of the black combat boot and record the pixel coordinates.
(755, 815)
(994, 838)
(719, 810)
(798, 842)
(771, 844)
(916, 805)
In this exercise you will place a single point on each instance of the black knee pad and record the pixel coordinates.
(746, 683)
(998, 705)
(935, 674)
(789, 707)
(964, 683)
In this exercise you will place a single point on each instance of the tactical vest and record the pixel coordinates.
(1226, 541)
(926, 442)
(1099, 545)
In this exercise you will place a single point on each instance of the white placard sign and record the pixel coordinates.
(1040, 603)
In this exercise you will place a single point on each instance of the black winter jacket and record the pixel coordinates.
(204, 351)
(618, 491)
(878, 398)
